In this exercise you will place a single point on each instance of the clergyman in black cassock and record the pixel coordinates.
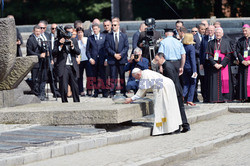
(220, 82)
(243, 52)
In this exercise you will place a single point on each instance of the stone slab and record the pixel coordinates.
(42, 134)
(239, 109)
(82, 131)
(10, 148)
(26, 141)
(8, 46)
(21, 68)
(90, 111)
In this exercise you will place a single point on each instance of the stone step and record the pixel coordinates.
(64, 129)
(162, 150)
(42, 134)
(10, 148)
(89, 111)
(25, 141)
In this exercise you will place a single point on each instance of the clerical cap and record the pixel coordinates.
(136, 70)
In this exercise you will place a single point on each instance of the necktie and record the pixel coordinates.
(210, 38)
(116, 42)
(96, 38)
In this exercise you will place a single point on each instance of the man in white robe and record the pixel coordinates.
(166, 108)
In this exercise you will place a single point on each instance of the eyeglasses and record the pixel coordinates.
(43, 27)
(53, 28)
(194, 31)
(114, 25)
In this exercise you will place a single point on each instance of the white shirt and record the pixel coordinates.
(52, 40)
(117, 35)
(82, 47)
(97, 37)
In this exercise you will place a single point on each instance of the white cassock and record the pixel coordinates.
(166, 107)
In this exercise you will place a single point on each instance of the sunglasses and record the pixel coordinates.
(53, 28)
(114, 25)
(194, 31)
(42, 27)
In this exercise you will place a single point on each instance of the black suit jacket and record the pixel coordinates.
(123, 47)
(197, 44)
(62, 57)
(19, 37)
(33, 48)
(96, 48)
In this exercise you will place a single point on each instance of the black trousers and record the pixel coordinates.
(84, 65)
(185, 123)
(114, 70)
(99, 79)
(69, 77)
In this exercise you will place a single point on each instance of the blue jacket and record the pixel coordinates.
(203, 47)
(190, 63)
(123, 47)
(95, 49)
(142, 64)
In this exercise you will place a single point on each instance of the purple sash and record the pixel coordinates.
(224, 75)
(248, 77)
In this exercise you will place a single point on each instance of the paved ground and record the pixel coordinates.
(235, 154)
(158, 148)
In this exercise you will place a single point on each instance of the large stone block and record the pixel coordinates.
(21, 68)
(8, 46)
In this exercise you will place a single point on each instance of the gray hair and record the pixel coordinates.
(216, 29)
(137, 50)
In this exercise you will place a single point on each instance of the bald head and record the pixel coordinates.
(211, 30)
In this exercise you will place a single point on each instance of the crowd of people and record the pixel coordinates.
(202, 54)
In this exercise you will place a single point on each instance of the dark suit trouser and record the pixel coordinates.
(83, 65)
(99, 70)
(114, 69)
(69, 77)
(185, 123)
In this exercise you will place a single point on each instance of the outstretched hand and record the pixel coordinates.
(128, 100)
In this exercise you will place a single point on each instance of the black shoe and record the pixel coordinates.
(105, 95)
(95, 95)
(56, 95)
(184, 130)
(82, 94)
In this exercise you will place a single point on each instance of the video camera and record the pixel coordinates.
(61, 33)
(149, 41)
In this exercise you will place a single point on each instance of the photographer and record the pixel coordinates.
(66, 50)
(148, 39)
(136, 61)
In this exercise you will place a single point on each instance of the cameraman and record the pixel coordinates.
(136, 60)
(148, 39)
(66, 50)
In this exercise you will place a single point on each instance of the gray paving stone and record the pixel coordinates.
(37, 134)
(26, 141)
(10, 148)
(82, 131)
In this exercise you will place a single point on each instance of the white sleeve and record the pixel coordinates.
(135, 97)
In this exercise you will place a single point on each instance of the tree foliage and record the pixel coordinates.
(61, 11)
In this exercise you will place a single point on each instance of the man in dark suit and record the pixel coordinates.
(117, 47)
(66, 52)
(204, 63)
(39, 72)
(136, 35)
(197, 39)
(89, 32)
(97, 56)
(107, 26)
(19, 41)
(170, 71)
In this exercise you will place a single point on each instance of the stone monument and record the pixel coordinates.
(13, 69)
